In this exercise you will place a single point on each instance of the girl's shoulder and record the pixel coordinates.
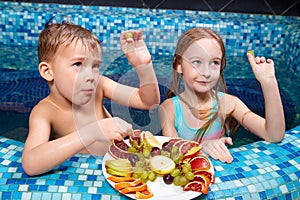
(167, 102)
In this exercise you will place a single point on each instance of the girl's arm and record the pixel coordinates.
(272, 127)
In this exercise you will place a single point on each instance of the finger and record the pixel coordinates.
(251, 59)
(227, 140)
(118, 136)
(269, 60)
(257, 60)
(124, 126)
(262, 59)
(226, 156)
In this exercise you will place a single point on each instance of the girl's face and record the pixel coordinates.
(201, 64)
(76, 72)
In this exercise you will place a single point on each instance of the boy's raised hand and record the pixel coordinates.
(135, 48)
(262, 68)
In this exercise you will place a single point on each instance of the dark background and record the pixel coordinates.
(270, 7)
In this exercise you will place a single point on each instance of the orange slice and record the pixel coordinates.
(145, 194)
(118, 179)
(136, 188)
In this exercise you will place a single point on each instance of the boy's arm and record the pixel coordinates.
(167, 117)
(147, 95)
(41, 155)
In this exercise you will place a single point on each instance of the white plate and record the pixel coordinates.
(158, 187)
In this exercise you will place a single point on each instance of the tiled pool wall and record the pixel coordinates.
(275, 36)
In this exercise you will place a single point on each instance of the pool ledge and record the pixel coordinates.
(260, 170)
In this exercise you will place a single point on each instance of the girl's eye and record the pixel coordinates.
(215, 63)
(196, 62)
(77, 64)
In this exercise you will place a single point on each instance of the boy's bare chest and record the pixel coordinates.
(66, 122)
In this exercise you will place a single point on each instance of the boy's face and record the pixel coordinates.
(76, 72)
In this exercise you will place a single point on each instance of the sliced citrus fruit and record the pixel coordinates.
(122, 185)
(200, 162)
(186, 146)
(149, 138)
(139, 187)
(145, 194)
(203, 178)
(162, 164)
(206, 173)
(196, 186)
(117, 179)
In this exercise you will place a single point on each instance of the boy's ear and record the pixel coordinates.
(46, 71)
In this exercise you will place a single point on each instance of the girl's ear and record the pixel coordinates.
(46, 71)
(179, 69)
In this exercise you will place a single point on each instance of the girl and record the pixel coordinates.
(201, 112)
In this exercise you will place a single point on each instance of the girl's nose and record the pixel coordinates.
(204, 70)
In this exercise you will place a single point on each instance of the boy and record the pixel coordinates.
(72, 118)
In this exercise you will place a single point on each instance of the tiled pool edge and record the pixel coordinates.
(21, 23)
(260, 170)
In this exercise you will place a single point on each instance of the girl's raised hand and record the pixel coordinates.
(262, 68)
(135, 48)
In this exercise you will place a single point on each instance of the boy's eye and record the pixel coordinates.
(77, 64)
(97, 66)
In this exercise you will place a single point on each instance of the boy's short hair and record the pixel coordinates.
(56, 35)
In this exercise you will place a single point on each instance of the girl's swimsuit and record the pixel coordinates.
(215, 130)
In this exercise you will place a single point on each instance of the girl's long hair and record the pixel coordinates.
(184, 42)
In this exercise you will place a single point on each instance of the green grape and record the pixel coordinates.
(175, 172)
(151, 175)
(146, 152)
(131, 149)
(144, 180)
(188, 166)
(141, 156)
(174, 149)
(128, 35)
(138, 170)
(136, 176)
(139, 163)
(134, 144)
(182, 180)
(176, 181)
(165, 153)
(144, 175)
(175, 158)
(180, 156)
(189, 175)
(184, 169)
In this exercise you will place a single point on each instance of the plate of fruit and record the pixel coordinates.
(145, 166)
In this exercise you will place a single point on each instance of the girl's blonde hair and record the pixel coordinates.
(184, 42)
(56, 35)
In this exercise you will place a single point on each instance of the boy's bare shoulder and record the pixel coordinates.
(44, 107)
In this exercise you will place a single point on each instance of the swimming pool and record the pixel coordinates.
(22, 88)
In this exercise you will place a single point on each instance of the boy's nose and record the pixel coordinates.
(89, 74)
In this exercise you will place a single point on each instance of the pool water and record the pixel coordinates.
(19, 63)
